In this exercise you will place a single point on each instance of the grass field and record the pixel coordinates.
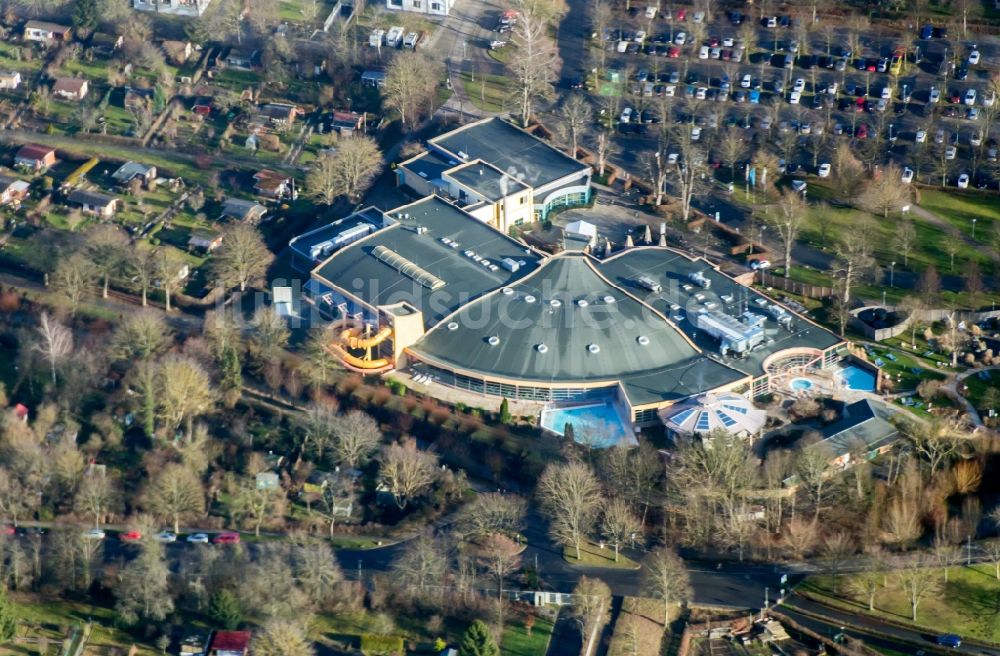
(517, 642)
(977, 388)
(593, 556)
(639, 628)
(968, 605)
(69, 614)
(487, 92)
(960, 209)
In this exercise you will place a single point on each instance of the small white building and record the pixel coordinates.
(432, 7)
(173, 7)
(703, 414)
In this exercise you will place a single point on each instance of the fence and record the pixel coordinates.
(795, 287)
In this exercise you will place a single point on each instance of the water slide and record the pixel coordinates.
(352, 339)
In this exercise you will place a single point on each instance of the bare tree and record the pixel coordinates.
(867, 582)
(421, 565)
(787, 222)
(570, 496)
(666, 579)
(492, 512)
(885, 193)
(73, 278)
(633, 473)
(255, 504)
(992, 550)
(105, 248)
(904, 239)
(731, 148)
(604, 148)
(141, 336)
(97, 496)
(55, 342)
(355, 437)
(500, 557)
(618, 524)
(16, 500)
(854, 258)
(812, 465)
(946, 556)
(917, 580)
(591, 605)
(848, 173)
(937, 441)
(534, 62)
(243, 256)
(575, 115)
(283, 637)
(269, 335)
(176, 493)
(142, 591)
(140, 264)
(169, 266)
(690, 170)
(184, 392)
(406, 471)
(411, 86)
(348, 171)
(801, 536)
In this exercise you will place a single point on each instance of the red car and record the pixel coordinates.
(681, 14)
(7, 529)
(130, 536)
(862, 131)
(226, 538)
(714, 42)
(674, 52)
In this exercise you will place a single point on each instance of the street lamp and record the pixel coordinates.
(892, 273)
(883, 298)
(974, 227)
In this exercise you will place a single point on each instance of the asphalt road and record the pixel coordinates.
(871, 631)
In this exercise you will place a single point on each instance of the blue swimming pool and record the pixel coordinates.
(857, 378)
(801, 384)
(595, 424)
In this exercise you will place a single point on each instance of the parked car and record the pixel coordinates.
(94, 534)
(226, 538)
(935, 95)
(824, 170)
(165, 536)
(198, 538)
(130, 536)
(794, 97)
(970, 97)
(907, 176)
(703, 52)
(758, 265)
(949, 640)
(963, 181)
(950, 152)
(921, 136)
(680, 38)
(939, 136)
(626, 115)
(926, 32)
(974, 57)
(799, 85)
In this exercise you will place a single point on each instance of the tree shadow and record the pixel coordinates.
(979, 606)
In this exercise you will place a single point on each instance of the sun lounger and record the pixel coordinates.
(879, 362)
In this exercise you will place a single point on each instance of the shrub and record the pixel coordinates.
(375, 644)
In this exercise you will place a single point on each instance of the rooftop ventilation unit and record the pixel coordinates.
(648, 283)
(445, 241)
(609, 299)
(452, 325)
(421, 230)
(583, 303)
(699, 279)
(493, 340)
(778, 313)
(734, 336)
(510, 265)
(507, 291)
(529, 299)
(593, 348)
(494, 268)
(643, 340)
(542, 348)
(555, 302)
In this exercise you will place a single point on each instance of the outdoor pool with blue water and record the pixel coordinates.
(857, 378)
(596, 424)
(801, 384)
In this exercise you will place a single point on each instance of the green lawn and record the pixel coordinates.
(517, 642)
(487, 92)
(960, 209)
(977, 387)
(593, 556)
(968, 605)
(69, 613)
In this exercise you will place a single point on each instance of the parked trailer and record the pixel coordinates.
(377, 38)
(411, 40)
(394, 37)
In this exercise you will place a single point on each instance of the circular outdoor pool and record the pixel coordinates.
(801, 384)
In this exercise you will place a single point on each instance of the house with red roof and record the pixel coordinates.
(35, 157)
(230, 643)
(21, 412)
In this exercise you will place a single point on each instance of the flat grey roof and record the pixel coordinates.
(430, 165)
(356, 270)
(665, 366)
(864, 423)
(89, 197)
(511, 150)
(671, 269)
(486, 180)
(304, 242)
